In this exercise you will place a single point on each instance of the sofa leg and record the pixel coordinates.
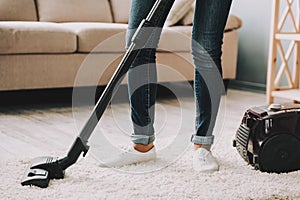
(226, 83)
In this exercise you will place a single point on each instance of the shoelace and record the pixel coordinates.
(202, 156)
(126, 149)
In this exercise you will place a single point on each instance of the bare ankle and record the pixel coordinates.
(197, 146)
(143, 147)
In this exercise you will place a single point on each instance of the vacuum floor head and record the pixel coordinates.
(41, 170)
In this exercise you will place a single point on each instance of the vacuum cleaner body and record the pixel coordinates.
(269, 138)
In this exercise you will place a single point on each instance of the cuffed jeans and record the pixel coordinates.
(207, 38)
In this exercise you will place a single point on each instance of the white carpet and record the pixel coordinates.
(85, 180)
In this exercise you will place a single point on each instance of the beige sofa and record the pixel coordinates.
(66, 43)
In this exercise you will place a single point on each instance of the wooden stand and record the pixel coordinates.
(284, 51)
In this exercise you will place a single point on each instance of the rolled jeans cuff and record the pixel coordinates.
(203, 140)
(142, 139)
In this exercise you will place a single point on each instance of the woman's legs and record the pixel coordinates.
(209, 23)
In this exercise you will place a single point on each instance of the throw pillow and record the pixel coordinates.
(16, 10)
(120, 10)
(189, 17)
(178, 11)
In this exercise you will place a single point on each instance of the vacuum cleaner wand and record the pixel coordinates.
(42, 169)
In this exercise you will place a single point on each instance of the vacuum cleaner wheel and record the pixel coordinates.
(280, 153)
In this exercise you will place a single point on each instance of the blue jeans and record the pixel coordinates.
(207, 38)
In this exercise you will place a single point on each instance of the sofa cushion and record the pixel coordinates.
(109, 37)
(74, 11)
(17, 10)
(120, 10)
(176, 39)
(35, 37)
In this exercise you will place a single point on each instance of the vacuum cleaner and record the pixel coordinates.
(42, 169)
(268, 138)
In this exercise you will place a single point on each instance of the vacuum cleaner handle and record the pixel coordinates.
(156, 17)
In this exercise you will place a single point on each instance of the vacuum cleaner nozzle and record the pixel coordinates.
(41, 170)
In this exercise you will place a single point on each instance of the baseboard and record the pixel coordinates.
(247, 86)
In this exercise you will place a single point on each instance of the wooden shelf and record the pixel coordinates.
(288, 36)
(292, 94)
(284, 61)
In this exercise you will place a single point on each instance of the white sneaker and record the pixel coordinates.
(129, 156)
(203, 161)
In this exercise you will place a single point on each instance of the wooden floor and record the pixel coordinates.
(29, 131)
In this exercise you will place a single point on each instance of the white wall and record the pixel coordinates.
(253, 41)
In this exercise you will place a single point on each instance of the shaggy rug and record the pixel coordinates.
(86, 180)
(154, 180)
